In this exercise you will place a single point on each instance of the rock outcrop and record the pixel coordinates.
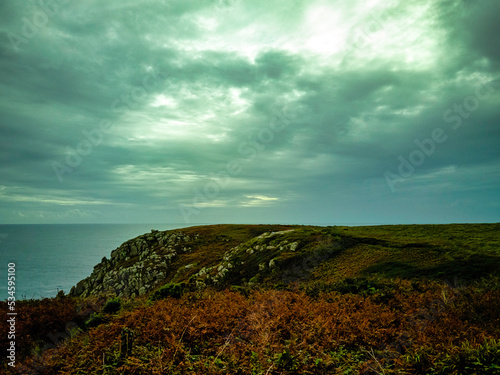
(137, 266)
(263, 251)
(146, 262)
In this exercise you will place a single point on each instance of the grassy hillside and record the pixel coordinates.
(269, 299)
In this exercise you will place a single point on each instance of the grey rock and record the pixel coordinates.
(133, 250)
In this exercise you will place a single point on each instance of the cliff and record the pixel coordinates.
(199, 255)
(136, 266)
(277, 255)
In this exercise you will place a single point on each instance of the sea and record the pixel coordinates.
(49, 258)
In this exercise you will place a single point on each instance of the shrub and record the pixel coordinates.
(286, 361)
(95, 320)
(112, 306)
(173, 290)
(241, 289)
(359, 285)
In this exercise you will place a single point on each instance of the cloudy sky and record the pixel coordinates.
(221, 111)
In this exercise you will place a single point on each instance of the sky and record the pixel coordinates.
(233, 111)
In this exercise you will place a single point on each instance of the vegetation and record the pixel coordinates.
(347, 300)
(112, 306)
(173, 290)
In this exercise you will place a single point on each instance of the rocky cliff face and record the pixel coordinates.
(137, 266)
(144, 263)
(252, 258)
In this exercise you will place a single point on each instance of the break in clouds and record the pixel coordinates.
(236, 111)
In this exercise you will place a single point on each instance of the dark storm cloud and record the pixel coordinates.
(225, 111)
(473, 27)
